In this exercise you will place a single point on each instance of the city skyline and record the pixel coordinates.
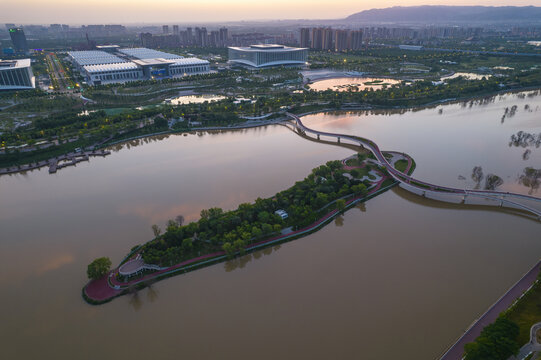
(139, 11)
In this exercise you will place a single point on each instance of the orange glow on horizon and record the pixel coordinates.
(190, 11)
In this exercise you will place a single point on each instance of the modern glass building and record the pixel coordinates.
(16, 75)
(268, 55)
(19, 40)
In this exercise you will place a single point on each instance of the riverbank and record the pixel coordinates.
(302, 111)
(456, 351)
(109, 286)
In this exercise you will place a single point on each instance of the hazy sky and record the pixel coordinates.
(179, 11)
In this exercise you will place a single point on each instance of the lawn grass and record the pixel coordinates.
(115, 111)
(401, 165)
(526, 312)
(362, 172)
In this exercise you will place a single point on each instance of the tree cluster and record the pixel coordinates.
(232, 231)
(498, 341)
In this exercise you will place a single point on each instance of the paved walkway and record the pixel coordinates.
(456, 351)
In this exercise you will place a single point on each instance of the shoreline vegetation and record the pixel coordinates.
(217, 236)
(156, 123)
(39, 125)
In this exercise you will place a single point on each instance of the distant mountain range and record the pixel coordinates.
(449, 14)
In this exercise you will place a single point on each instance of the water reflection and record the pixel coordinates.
(361, 206)
(339, 220)
(438, 204)
(471, 137)
(352, 84)
(135, 301)
(152, 293)
(241, 261)
(193, 99)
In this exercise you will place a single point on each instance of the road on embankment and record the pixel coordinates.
(456, 351)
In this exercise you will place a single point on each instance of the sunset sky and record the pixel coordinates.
(178, 11)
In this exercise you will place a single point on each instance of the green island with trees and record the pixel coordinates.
(219, 235)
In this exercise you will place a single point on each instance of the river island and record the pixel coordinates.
(300, 210)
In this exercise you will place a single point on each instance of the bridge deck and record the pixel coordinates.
(501, 198)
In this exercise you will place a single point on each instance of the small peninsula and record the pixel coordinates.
(220, 235)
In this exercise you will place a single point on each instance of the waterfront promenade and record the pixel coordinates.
(456, 351)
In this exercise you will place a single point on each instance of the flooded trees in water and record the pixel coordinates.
(180, 220)
(509, 112)
(156, 230)
(477, 176)
(530, 178)
(492, 182)
(524, 140)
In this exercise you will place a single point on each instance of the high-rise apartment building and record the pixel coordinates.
(317, 38)
(201, 36)
(342, 40)
(224, 36)
(356, 42)
(189, 36)
(19, 40)
(305, 38)
(328, 39)
(331, 39)
(165, 29)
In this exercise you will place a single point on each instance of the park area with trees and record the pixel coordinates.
(231, 231)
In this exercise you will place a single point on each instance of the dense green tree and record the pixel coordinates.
(228, 248)
(497, 341)
(239, 246)
(340, 204)
(98, 268)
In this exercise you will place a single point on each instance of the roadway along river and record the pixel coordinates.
(399, 277)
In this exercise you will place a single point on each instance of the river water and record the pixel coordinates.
(398, 277)
(355, 83)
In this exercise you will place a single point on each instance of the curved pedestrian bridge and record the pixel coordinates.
(524, 203)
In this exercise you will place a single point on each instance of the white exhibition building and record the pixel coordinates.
(132, 64)
(264, 55)
(16, 75)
